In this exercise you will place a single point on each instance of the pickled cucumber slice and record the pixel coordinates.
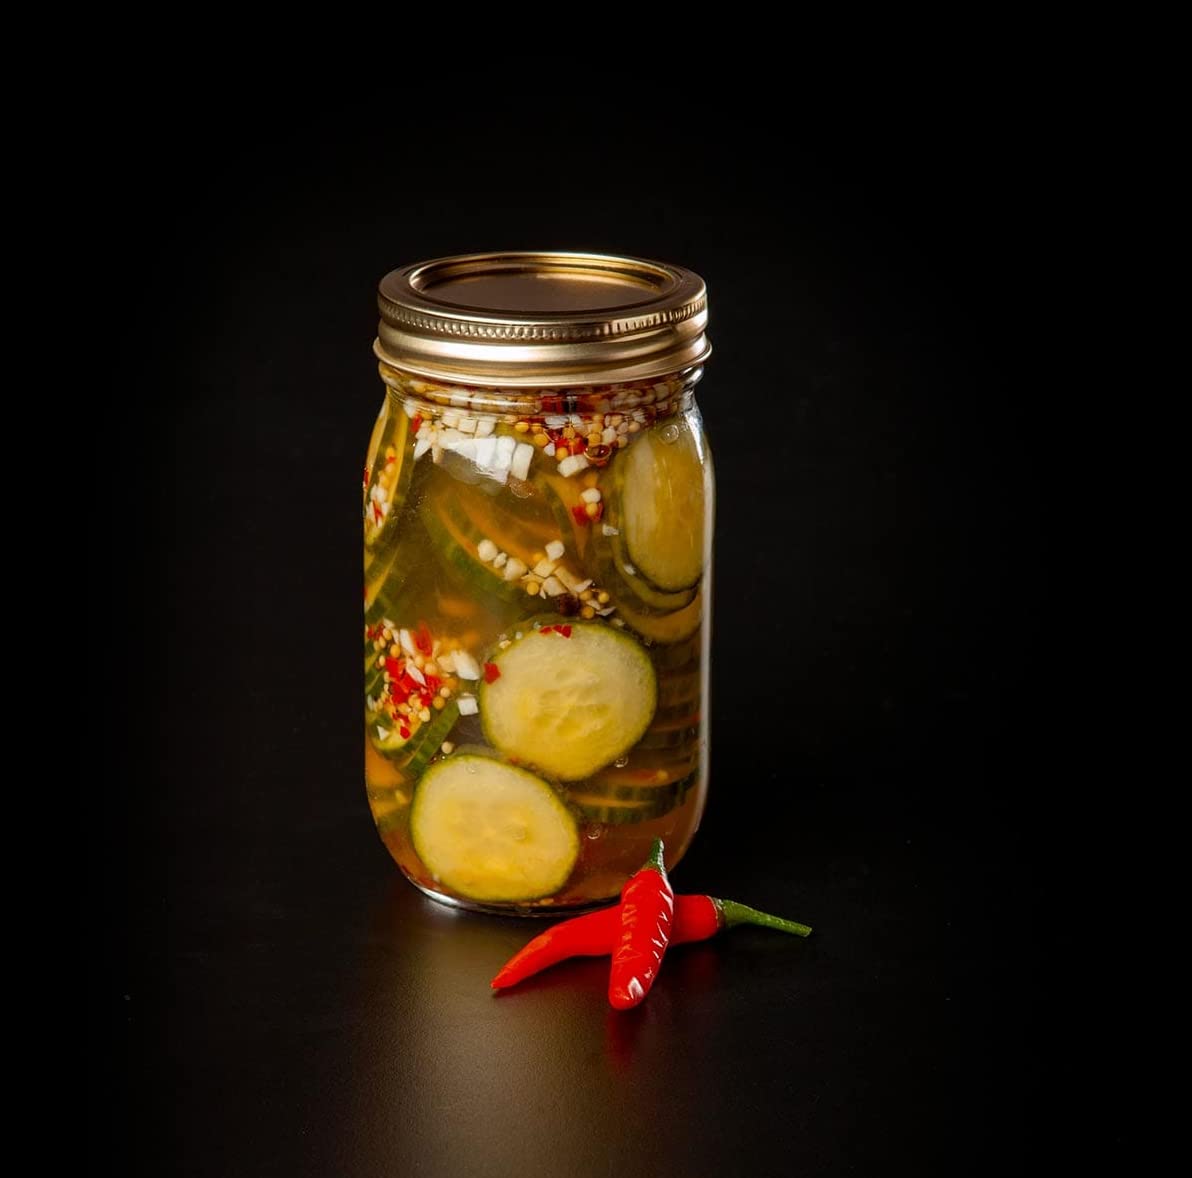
(664, 628)
(492, 832)
(414, 752)
(600, 806)
(661, 505)
(569, 705)
(392, 472)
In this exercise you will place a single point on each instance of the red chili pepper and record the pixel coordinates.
(697, 918)
(580, 515)
(647, 911)
(415, 423)
(423, 642)
(491, 672)
(394, 667)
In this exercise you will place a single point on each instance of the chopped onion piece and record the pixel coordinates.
(573, 464)
(555, 549)
(544, 568)
(553, 587)
(416, 674)
(590, 495)
(609, 530)
(484, 427)
(407, 642)
(520, 466)
(421, 447)
(514, 568)
(505, 448)
(467, 705)
(466, 667)
(487, 551)
(486, 449)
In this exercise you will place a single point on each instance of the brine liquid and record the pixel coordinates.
(480, 526)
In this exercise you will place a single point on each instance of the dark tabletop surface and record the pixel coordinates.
(270, 997)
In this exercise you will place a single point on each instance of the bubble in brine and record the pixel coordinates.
(621, 762)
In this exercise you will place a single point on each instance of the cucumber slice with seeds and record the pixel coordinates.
(661, 505)
(569, 705)
(491, 831)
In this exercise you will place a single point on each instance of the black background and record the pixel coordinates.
(277, 999)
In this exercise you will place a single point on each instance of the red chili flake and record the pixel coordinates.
(433, 683)
(579, 514)
(415, 423)
(394, 667)
(398, 692)
(377, 513)
(410, 684)
(578, 445)
(423, 640)
(491, 672)
(405, 732)
(545, 629)
(367, 476)
(564, 630)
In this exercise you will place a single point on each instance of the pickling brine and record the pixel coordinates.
(536, 633)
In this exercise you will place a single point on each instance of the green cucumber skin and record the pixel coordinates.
(475, 576)
(611, 814)
(615, 498)
(640, 594)
(413, 755)
(438, 728)
(381, 538)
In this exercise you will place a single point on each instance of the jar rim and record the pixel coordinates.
(539, 318)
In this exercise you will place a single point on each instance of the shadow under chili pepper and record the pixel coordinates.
(622, 1031)
(689, 976)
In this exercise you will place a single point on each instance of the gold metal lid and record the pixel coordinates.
(542, 319)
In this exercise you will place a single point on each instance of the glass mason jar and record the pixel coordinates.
(538, 501)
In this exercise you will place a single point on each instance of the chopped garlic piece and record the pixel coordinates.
(466, 667)
(555, 549)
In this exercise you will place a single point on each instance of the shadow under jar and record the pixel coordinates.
(538, 500)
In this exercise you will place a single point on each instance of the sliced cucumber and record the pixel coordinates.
(599, 806)
(391, 468)
(628, 587)
(664, 628)
(414, 752)
(492, 832)
(456, 542)
(569, 705)
(661, 504)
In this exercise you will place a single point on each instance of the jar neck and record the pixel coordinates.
(660, 396)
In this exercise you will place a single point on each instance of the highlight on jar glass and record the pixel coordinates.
(538, 505)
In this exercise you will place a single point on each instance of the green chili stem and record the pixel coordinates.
(734, 913)
(655, 859)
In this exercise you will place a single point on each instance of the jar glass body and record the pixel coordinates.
(537, 623)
